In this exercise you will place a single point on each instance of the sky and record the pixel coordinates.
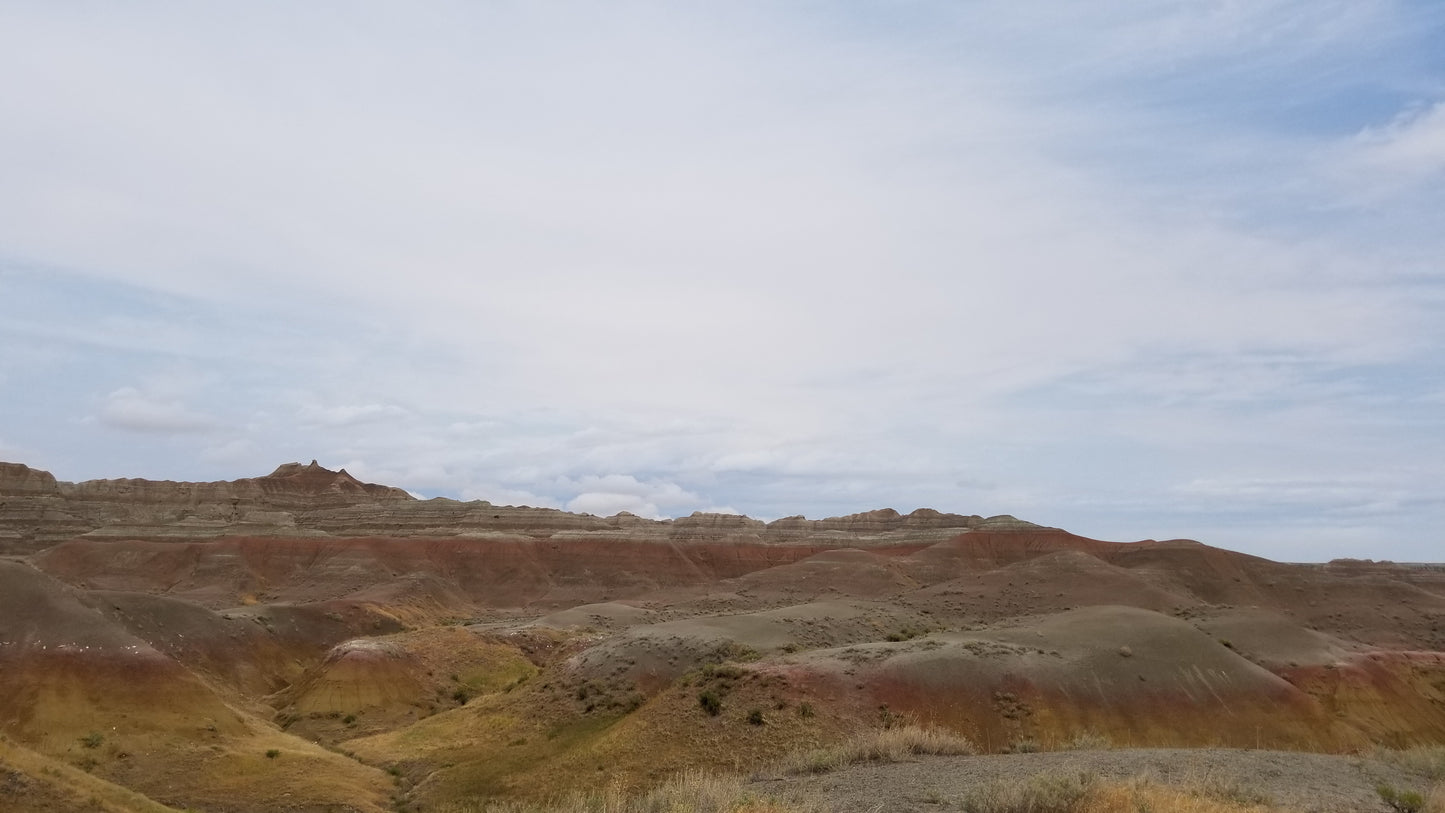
(1156, 269)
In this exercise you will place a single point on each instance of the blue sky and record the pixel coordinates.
(1139, 270)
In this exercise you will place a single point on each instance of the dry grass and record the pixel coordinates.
(1046, 793)
(68, 781)
(1081, 793)
(1427, 761)
(887, 745)
(1135, 796)
(700, 792)
(1436, 802)
(1087, 741)
(688, 792)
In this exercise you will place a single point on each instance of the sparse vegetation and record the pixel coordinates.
(688, 792)
(888, 745)
(1427, 761)
(610, 712)
(1401, 801)
(1046, 793)
(1064, 792)
(905, 634)
(1088, 741)
(1023, 746)
(710, 702)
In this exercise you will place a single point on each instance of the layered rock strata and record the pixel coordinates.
(37, 512)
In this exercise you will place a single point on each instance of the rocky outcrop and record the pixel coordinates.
(291, 485)
(37, 511)
(885, 526)
(19, 480)
(307, 500)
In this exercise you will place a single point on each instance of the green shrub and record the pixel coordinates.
(710, 702)
(1401, 801)
(273, 753)
(92, 740)
(755, 717)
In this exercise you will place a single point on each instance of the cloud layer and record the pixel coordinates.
(1137, 270)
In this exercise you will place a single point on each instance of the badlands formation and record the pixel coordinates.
(305, 641)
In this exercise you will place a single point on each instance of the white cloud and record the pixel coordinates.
(721, 509)
(132, 410)
(348, 414)
(1328, 495)
(609, 494)
(502, 495)
(1412, 145)
(234, 452)
(606, 504)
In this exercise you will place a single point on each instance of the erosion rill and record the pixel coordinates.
(307, 641)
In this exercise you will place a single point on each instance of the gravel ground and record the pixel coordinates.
(1317, 783)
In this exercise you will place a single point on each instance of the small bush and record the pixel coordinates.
(92, 740)
(349, 719)
(755, 717)
(905, 634)
(273, 753)
(1401, 801)
(710, 703)
(805, 710)
(1024, 746)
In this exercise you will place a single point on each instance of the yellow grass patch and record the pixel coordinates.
(687, 792)
(887, 745)
(1063, 792)
(71, 784)
(1425, 760)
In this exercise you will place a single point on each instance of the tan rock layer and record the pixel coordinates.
(37, 511)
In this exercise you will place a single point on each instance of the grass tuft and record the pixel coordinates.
(888, 745)
(1088, 741)
(1045, 793)
(1427, 761)
(688, 792)
(1082, 793)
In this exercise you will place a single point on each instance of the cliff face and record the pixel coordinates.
(304, 501)
(291, 485)
(36, 511)
(17, 479)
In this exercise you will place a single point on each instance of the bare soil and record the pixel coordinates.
(1306, 782)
